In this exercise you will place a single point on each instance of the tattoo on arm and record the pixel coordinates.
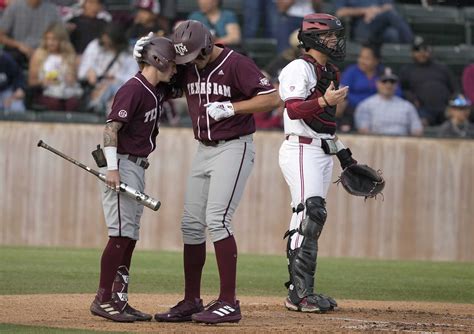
(110, 133)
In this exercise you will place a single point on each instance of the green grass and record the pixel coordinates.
(59, 270)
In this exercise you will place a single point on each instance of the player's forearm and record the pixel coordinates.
(110, 144)
(7, 41)
(259, 103)
(298, 109)
(110, 133)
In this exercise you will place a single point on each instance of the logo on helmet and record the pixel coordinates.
(181, 49)
(264, 82)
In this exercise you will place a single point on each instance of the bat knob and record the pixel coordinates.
(40, 143)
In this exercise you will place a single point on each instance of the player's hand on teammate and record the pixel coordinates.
(220, 110)
(335, 96)
(138, 48)
(112, 180)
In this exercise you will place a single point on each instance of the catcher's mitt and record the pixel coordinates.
(362, 180)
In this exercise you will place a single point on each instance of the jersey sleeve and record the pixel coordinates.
(249, 79)
(126, 101)
(296, 80)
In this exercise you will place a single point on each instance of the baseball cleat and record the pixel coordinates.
(139, 315)
(312, 304)
(181, 312)
(110, 310)
(218, 312)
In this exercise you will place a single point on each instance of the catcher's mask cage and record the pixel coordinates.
(159, 53)
(192, 39)
(318, 32)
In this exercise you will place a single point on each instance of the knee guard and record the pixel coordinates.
(316, 214)
(303, 266)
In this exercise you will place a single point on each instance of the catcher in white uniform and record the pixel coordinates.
(309, 86)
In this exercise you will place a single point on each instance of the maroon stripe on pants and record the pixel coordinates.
(233, 190)
(118, 204)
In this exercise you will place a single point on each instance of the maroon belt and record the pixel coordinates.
(143, 163)
(217, 142)
(302, 140)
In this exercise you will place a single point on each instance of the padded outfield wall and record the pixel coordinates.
(427, 211)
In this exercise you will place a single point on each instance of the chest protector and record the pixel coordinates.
(323, 121)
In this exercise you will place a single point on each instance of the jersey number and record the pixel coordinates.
(151, 115)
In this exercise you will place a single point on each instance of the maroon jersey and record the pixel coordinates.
(231, 77)
(138, 105)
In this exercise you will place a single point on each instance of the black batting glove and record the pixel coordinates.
(345, 158)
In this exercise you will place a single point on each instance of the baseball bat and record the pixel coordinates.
(140, 197)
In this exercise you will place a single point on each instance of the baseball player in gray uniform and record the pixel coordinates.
(222, 89)
(129, 137)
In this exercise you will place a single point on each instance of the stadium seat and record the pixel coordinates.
(439, 25)
(456, 57)
(469, 18)
(118, 5)
(261, 50)
(396, 56)
(234, 5)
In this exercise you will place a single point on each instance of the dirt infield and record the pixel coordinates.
(260, 315)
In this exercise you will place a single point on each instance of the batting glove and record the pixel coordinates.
(138, 48)
(220, 110)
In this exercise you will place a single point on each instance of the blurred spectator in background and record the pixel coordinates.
(3, 5)
(290, 15)
(468, 81)
(105, 65)
(385, 113)
(256, 11)
(374, 21)
(146, 20)
(458, 124)
(168, 11)
(271, 120)
(275, 66)
(427, 84)
(12, 84)
(53, 69)
(169, 115)
(22, 25)
(86, 23)
(222, 23)
(361, 79)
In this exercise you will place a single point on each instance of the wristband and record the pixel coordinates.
(326, 101)
(110, 153)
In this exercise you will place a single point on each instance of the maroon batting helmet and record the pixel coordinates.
(190, 39)
(312, 35)
(159, 52)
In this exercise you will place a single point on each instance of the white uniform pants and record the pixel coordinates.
(307, 171)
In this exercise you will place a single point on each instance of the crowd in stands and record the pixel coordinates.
(73, 55)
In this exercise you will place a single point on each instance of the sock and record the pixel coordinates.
(127, 257)
(110, 261)
(226, 255)
(194, 258)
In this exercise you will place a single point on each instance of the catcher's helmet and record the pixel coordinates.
(159, 52)
(190, 39)
(313, 34)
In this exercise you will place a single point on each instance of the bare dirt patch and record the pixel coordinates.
(260, 315)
